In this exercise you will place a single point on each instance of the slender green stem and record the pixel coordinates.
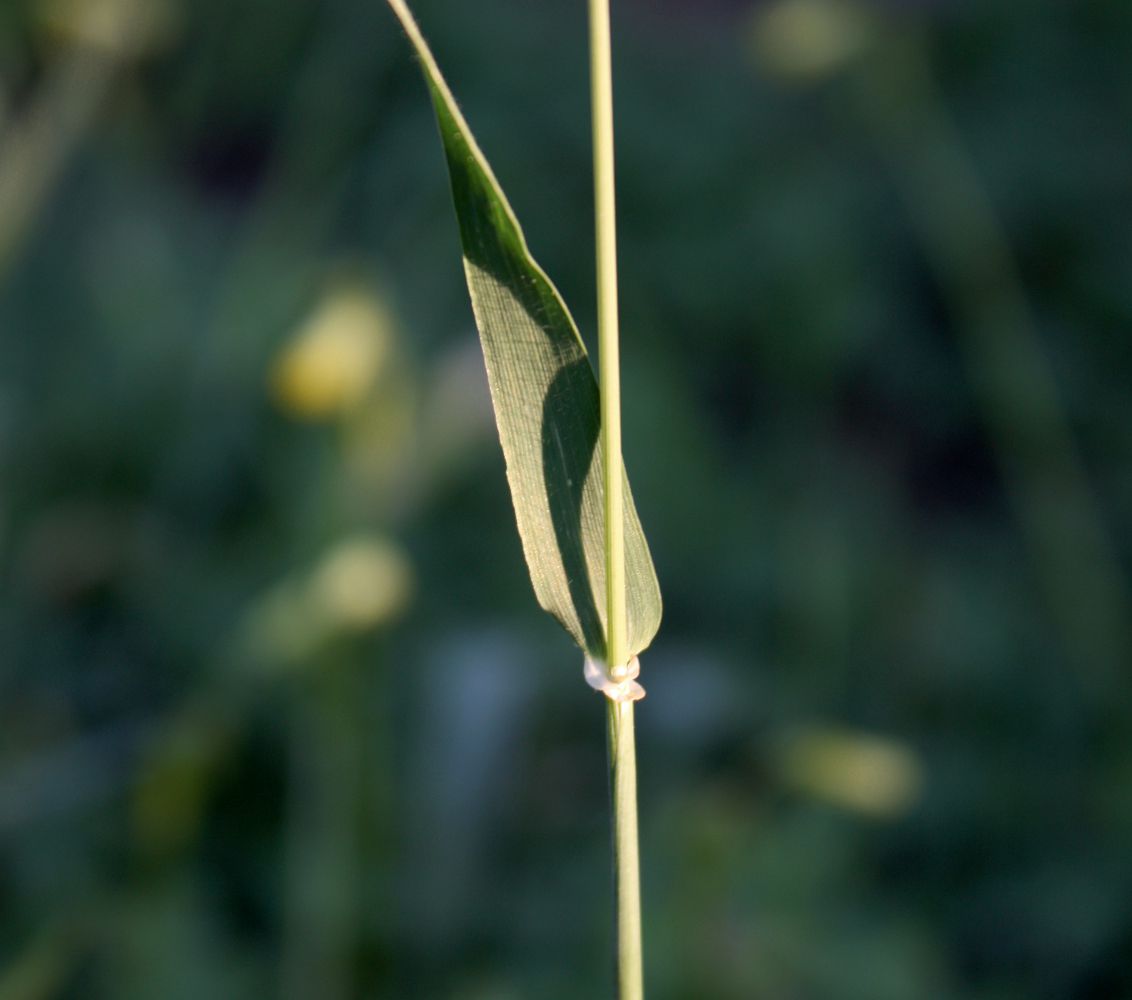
(609, 364)
(626, 859)
(622, 748)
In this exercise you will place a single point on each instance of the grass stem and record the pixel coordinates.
(622, 748)
(626, 857)
(609, 364)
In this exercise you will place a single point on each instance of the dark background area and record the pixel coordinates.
(279, 716)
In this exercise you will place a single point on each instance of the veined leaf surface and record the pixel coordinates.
(545, 398)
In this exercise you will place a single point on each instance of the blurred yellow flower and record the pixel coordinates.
(335, 357)
(120, 27)
(805, 40)
(867, 774)
(363, 582)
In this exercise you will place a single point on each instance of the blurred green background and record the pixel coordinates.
(279, 716)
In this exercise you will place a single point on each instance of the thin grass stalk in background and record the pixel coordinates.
(968, 250)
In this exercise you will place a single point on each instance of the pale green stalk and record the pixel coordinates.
(622, 750)
(609, 363)
(626, 861)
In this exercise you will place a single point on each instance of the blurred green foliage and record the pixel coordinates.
(278, 714)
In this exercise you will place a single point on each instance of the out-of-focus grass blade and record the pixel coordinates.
(545, 398)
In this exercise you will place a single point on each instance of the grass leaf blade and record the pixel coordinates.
(545, 398)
